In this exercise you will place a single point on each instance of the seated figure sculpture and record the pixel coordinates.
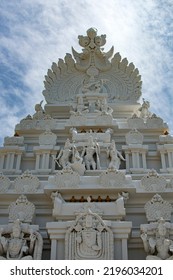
(17, 243)
(80, 108)
(91, 149)
(114, 156)
(159, 247)
(39, 112)
(104, 108)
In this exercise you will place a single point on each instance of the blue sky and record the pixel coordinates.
(35, 33)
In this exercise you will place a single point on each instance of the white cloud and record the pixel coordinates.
(36, 33)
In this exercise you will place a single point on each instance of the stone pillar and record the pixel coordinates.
(2, 159)
(37, 163)
(121, 231)
(8, 162)
(18, 161)
(127, 160)
(136, 157)
(53, 255)
(124, 249)
(11, 159)
(144, 162)
(44, 163)
(57, 231)
(166, 152)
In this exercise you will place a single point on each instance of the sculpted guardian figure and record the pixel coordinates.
(159, 247)
(114, 156)
(65, 154)
(89, 151)
(18, 243)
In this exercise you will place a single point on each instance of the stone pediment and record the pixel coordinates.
(21, 209)
(166, 139)
(14, 141)
(157, 208)
(26, 183)
(134, 137)
(66, 178)
(92, 71)
(153, 182)
(47, 138)
(112, 178)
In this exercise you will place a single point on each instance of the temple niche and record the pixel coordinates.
(95, 163)
(89, 238)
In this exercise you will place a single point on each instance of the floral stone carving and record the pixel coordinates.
(156, 208)
(89, 238)
(157, 240)
(4, 183)
(20, 242)
(112, 178)
(26, 183)
(66, 178)
(22, 210)
(153, 182)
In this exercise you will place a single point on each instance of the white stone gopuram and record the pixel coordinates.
(90, 174)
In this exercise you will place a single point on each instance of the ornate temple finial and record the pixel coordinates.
(92, 56)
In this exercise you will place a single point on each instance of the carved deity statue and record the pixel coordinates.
(92, 86)
(17, 242)
(65, 154)
(144, 109)
(89, 241)
(114, 156)
(39, 112)
(80, 108)
(89, 238)
(91, 149)
(159, 247)
(104, 108)
(70, 159)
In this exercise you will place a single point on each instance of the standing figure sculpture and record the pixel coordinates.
(114, 156)
(159, 247)
(144, 109)
(89, 151)
(19, 243)
(65, 155)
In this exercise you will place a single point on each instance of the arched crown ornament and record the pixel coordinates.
(92, 69)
